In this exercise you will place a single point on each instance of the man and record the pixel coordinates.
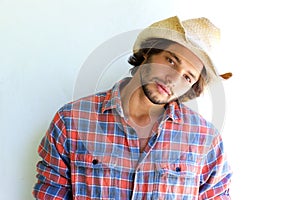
(137, 140)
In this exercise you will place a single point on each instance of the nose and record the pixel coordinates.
(172, 76)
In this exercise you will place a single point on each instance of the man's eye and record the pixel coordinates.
(187, 78)
(170, 61)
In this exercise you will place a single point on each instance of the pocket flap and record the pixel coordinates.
(103, 161)
(180, 169)
(87, 161)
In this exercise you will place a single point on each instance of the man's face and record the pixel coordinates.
(169, 74)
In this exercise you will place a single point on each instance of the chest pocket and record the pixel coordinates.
(98, 177)
(179, 180)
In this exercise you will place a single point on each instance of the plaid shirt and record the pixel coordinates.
(90, 152)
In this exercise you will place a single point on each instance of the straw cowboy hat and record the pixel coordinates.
(198, 35)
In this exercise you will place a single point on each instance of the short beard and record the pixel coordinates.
(151, 98)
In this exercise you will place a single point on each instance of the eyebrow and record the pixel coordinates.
(175, 56)
(179, 61)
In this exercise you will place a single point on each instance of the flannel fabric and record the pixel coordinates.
(90, 152)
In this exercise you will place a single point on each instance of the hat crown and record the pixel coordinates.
(172, 23)
(200, 32)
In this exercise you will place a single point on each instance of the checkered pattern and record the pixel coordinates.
(90, 152)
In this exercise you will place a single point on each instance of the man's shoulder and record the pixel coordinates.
(90, 103)
(190, 116)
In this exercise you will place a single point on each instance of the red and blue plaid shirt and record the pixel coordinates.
(90, 152)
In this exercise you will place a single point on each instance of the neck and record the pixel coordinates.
(136, 106)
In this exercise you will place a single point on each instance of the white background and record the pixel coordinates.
(43, 45)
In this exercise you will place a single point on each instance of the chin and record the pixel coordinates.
(155, 97)
(160, 101)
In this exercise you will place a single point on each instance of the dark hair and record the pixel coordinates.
(154, 46)
(149, 47)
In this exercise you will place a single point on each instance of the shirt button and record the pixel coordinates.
(95, 162)
(178, 169)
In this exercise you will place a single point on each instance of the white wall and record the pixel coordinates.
(44, 44)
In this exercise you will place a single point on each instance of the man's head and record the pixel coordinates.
(172, 65)
(196, 36)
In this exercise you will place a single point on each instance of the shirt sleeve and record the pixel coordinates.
(216, 173)
(53, 178)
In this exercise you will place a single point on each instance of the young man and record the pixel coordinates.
(137, 140)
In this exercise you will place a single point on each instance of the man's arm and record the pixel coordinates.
(54, 169)
(216, 173)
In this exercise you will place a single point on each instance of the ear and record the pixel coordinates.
(145, 56)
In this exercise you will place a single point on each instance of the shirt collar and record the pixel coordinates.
(173, 111)
(113, 98)
(113, 101)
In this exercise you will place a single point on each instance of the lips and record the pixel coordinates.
(163, 89)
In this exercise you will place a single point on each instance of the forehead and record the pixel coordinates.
(185, 55)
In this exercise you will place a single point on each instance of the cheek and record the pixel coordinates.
(151, 70)
(180, 90)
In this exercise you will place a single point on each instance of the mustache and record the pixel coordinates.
(163, 84)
